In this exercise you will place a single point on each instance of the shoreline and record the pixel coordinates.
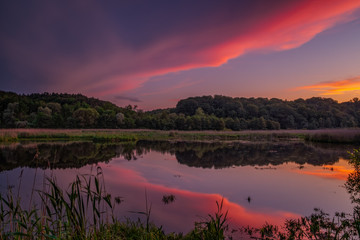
(343, 135)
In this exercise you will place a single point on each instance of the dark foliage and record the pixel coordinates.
(53, 110)
(263, 113)
(196, 113)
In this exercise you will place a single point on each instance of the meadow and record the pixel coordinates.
(113, 135)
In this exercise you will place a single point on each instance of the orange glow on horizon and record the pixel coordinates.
(340, 87)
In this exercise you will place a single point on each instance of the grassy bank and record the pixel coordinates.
(117, 135)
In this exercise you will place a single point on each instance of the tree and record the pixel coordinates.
(180, 122)
(272, 125)
(187, 106)
(55, 107)
(43, 118)
(252, 110)
(107, 119)
(85, 117)
(199, 112)
(257, 123)
(119, 119)
(9, 114)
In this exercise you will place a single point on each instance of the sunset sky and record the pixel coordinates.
(153, 53)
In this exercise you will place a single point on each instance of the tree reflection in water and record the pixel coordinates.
(201, 155)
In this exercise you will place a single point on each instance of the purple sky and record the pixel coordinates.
(153, 53)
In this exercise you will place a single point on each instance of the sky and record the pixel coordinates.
(154, 53)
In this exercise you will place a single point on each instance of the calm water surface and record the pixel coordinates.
(260, 182)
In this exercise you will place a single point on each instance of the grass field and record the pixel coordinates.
(104, 135)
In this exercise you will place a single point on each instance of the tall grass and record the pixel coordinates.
(86, 211)
(77, 213)
(213, 228)
(316, 226)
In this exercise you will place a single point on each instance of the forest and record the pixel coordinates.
(55, 110)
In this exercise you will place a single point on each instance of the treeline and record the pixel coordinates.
(263, 113)
(60, 111)
(196, 113)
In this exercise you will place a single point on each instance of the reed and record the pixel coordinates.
(76, 213)
(213, 228)
(86, 211)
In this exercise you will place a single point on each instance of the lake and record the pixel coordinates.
(259, 181)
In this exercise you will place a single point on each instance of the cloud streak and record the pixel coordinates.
(335, 87)
(127, 98)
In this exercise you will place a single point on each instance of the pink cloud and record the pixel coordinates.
(280, 31)
(103, 63)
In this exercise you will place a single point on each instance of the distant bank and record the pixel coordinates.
(117, 135)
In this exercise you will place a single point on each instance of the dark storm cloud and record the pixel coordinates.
(131, 99)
